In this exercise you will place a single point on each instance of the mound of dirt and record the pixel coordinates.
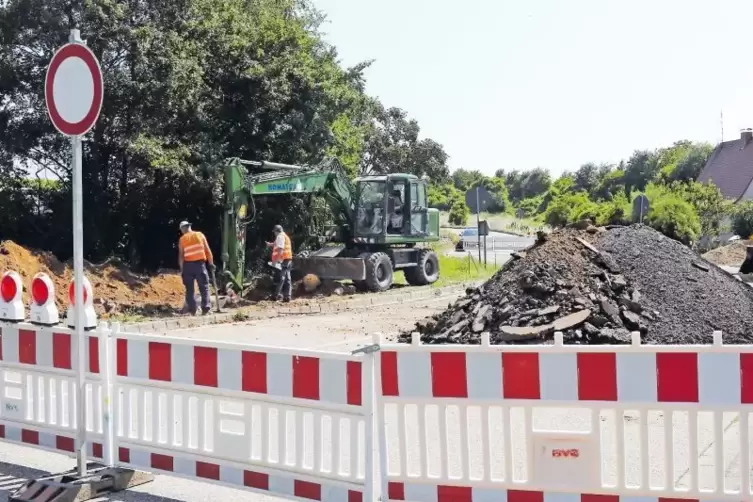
(596, 286)
(731, 255)
(116, 288)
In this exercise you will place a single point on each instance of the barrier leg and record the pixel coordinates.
(99, 479)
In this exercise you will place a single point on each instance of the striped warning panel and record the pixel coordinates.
(705, 377)
(444, 493)
(27, 344)
(287, 485)
(50, 441)
(332, 380)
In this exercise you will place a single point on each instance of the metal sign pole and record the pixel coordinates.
(478, 218)
(78, 273)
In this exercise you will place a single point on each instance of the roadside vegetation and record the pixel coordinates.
(680, 207)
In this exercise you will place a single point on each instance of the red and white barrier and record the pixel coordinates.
(37, 385)
(601, 407)
(454, 423)
(246, 416)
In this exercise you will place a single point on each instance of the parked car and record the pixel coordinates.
(469, 236)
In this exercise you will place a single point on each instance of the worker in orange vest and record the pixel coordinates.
(282, 260)
(194, 256)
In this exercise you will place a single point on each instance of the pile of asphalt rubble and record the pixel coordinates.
(596, 286)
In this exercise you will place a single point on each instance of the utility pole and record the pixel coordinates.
(478, 223)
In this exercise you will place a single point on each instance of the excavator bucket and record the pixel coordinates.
(332, 268)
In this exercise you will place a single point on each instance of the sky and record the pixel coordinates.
(505, 84)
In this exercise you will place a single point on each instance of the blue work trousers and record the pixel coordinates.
(196, 271)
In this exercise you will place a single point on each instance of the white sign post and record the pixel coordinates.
(73, 94)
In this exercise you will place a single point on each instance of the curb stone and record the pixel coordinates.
(384, 299)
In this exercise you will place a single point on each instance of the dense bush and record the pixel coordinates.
(742, 219)
(675, 218)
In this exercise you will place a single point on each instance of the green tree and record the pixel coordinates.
(464, 179)
(459, 211)
(640, 169)
(742, 219)
(393, 145)
(675, 218)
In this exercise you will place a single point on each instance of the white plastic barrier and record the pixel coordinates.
(534, 423)
(496, 244)
(291, 422)
(38, 393)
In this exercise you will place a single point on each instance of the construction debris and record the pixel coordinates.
(117, 290)
(731, 255)
(597, 286)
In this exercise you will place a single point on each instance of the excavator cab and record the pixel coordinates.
(392, 209)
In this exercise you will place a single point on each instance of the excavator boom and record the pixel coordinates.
(245, 179)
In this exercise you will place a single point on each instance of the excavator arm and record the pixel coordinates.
(245, 180)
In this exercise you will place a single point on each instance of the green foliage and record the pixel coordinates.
(459, 211)
(523, 185)
(680, 207)
(442, 196)
(742, 219)
(464, 180)
(675, 218)
(568, 208)
(530, 206)
(616, 211)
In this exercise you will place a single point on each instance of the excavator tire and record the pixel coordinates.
(378, 272)
(427, 270)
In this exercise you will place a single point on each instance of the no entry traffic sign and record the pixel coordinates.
(73, 89)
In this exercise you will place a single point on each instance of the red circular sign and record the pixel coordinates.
(73, 89)
(72, 293)
(40, 293)
(8, 288)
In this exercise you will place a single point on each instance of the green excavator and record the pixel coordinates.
(379, 220)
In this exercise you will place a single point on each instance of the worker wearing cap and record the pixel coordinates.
(282, 254)
(194, 256)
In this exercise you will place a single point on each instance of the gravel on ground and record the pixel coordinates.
(596, 286)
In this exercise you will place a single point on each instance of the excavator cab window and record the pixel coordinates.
(370, 208)
(396, 207)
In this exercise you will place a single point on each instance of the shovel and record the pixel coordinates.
(216, 292)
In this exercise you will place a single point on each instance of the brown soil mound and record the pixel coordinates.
(597, 286)
(730, 255)
(116, 288)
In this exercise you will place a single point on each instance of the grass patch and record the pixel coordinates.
(453, 270)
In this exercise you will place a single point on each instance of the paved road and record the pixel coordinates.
(347, 330)
(499, 246)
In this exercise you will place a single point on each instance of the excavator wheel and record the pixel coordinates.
(378, 271)
(427, 270)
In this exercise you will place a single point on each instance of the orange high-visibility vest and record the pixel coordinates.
(284, 254)
(194, 247)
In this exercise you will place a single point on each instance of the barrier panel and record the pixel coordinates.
(533, 423)
(495, 244)
(38, 392)
(292, 422)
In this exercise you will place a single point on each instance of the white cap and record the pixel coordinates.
(184, 223)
